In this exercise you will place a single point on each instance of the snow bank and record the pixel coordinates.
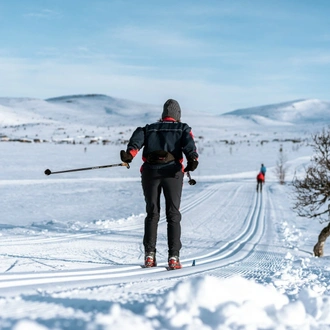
(206, 303)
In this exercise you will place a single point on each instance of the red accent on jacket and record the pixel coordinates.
(133, 152)
(261, 177)
(168, 119)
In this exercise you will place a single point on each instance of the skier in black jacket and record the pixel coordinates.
(164, 144)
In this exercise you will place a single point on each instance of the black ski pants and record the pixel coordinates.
(259, 185)
(168, 180)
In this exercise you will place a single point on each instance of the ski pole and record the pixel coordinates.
(191, 181)
(49, 172)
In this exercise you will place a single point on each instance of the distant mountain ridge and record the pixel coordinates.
(90, 109)
(104, 105)
(98, 117)
(78, 96)
(294, 112)
(104, 110)
(102, 102)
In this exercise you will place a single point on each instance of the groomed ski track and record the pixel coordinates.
(230, 231)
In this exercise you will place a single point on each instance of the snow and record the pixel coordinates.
(299, 111)
(71, 244)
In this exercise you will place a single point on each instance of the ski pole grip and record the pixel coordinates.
(125, 164)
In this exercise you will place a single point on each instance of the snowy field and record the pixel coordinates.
(71, 244)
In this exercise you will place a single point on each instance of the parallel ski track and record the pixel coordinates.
(66, 237)
(230, 252)
(43, 240)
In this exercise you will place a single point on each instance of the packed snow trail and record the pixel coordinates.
(232, 227)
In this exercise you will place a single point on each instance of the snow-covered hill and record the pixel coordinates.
(293, 112)
(97, 109)
(91, 109)
(104, 118)
(103, 109)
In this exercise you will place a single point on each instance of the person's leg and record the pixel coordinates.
(172, 187)
(152, 190)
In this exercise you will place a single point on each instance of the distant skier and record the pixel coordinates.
(260, 181)
(263, 169)
(164, 144)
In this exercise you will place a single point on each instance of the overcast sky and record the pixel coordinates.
(213, 55)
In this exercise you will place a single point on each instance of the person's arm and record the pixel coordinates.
(188, 144)
(134, 145)
(136, 141)
(189, 149)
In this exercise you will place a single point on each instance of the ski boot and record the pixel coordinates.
(150, 259)
(174, 263)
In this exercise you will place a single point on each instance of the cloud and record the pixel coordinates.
(47, 78)
(311, 59)
(169, 41)
(44, 14)
(325, 37)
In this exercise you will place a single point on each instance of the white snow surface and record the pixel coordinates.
(300, 111)
(71, 244)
